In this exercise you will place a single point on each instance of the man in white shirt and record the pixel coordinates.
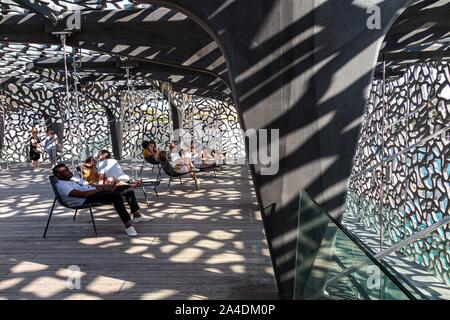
(76, 192)
(50, 142)
(110, 169)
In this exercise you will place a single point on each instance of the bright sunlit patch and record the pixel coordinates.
(168, 248)
(45, 287)
(182, 237)
(220, 235)
(214, 270)
(65, 273)
(221, 258)
(10, 283)
(269, 270)
(159, 295)
(7, 215)
(142, 240)
(136, 249)
(197, 297)
(238, 268)
(239, 245)
(209, 244)
(194, 217)
(82, 296)
(187, 255)
(27, 266)
(96, 241)
(105, 285)
(111, 245)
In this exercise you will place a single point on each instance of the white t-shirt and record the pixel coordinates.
(175, 157)
(196, 159)
(65, 187)
(111, 169)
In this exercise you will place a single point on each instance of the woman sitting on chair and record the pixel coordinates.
(179, 165)
(89, 171)
(181, 161)
(151, 152)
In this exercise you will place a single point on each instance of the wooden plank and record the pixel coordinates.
(206, 244)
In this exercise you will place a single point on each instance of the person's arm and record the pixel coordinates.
(101, 179)
(85, 194)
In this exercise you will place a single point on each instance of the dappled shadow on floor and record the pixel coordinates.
(206, 244)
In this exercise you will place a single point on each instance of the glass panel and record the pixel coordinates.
(331, 264)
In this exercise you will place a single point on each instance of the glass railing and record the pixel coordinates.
(331, 264)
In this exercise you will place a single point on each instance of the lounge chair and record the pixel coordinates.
(59, 199)
(170, 171)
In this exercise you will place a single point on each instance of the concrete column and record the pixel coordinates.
(2, 131)
(303, 68)
(109, 98)
(116, 129)
(174, 99)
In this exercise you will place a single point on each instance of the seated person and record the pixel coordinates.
(179, 166)
(200, 159)
(174, 155)
(109, 171)
(150, 150)
(77, 192)
(214, 157)
(89, 170)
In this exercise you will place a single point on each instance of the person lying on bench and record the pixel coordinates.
(77, 192)
(110, 171)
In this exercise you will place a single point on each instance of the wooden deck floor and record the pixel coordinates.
(206, 244)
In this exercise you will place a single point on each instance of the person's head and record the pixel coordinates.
(62, 172)
(50, 132)
(91, 161)
(152, 144)
(145, 144)
(104, 155)
(34, 132)
(172, 146)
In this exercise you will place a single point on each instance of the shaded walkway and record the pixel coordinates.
(206, 244)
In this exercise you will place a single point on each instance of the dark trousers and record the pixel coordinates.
(114, 198)
(130, 196)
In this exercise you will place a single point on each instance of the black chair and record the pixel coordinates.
(59, 199)
(153, 162)
(170, 171)
(152, 184)
(211, 167)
